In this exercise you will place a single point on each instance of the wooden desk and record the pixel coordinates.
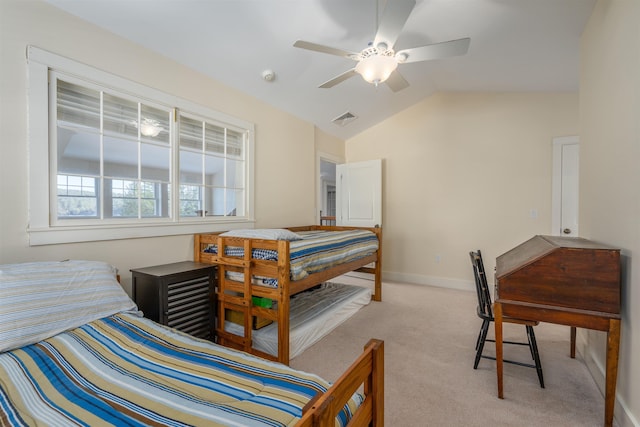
(567, 281)
(594, 320)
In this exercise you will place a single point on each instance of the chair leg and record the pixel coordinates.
(484, 329)
(530, 341)
(536, 356)
(479, 336)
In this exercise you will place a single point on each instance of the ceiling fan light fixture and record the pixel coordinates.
(377, 63)
(150, 127)
(376, 68)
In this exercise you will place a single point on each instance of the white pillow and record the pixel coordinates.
(41, 299)
(264, 233)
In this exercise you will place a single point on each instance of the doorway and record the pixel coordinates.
(349, 194)
(326, 200)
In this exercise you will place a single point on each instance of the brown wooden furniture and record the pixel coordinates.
(564, 280)
(238, 296)
(180, 295)
(367, 370)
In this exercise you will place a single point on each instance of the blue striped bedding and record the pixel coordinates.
(317, 250)
(127, 370)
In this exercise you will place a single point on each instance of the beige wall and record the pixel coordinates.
(463, 171)
(329, 144)
(285, 146)
(609, 175)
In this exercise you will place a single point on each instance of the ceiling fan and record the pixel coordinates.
(377, 63)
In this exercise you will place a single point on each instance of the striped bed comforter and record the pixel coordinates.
(125, 370)
(317, 250)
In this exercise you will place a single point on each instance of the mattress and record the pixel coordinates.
(317, 250)
(127, 370)
(312, 315)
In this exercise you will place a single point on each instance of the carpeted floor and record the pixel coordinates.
(430, 335)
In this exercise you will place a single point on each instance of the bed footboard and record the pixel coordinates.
(367, 370)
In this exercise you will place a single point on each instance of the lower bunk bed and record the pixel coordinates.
(312, 315)
(272, 265)
(74, 350)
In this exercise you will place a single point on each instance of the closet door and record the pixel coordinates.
(564, 206)
(359, 194)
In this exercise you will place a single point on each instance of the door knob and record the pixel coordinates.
(567, 231)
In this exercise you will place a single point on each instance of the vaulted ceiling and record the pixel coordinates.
(516, 45)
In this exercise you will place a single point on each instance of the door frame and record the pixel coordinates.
(556, 187)
(331, 158)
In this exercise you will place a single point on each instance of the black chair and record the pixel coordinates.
(485, 312)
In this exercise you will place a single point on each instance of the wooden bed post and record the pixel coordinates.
(377, 295)
(196, 248)
(247, 296)
(375, 386)
(283, 305)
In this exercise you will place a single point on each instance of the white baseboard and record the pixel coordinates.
(621, 413)
(441, 282)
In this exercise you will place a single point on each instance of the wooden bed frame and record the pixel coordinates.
(367, 370)
(366, 374)
(237, 296)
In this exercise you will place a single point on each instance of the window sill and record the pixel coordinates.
(79, 234)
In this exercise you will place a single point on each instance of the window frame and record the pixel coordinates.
(43, 230)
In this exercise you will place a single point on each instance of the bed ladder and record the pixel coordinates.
(237, 296)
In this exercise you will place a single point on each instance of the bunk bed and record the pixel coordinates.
(297, 259)
(74, 350)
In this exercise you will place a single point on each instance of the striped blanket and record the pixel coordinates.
(124, 370)
(316, 251)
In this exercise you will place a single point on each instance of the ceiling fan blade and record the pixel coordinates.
(326, 49)
(338, 79)
(434, 51)
(396, 82)
(394, 17)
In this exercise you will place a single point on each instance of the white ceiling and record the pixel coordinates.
(516, 45)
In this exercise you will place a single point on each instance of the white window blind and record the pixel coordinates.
(124, 155)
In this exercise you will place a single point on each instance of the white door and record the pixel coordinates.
(359, 194)
(566, 155)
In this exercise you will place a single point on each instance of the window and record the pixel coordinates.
(108, 141)
(77, 196)
(123, 156)
(212, 167)
(128, 200)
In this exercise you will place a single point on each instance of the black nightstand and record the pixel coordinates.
(180, 295)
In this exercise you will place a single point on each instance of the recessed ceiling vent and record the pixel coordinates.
(345, 118)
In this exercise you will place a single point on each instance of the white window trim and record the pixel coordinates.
(40, 228)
